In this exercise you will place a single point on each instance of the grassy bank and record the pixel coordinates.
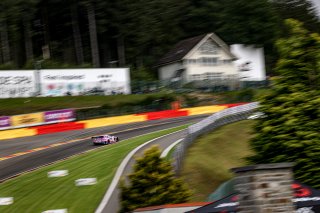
(123, 103)
(211, 157)
(34, 192)
(14, 106)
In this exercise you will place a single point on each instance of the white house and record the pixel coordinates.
(204, 57)
(198, 58)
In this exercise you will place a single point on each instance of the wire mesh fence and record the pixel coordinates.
(208, 124)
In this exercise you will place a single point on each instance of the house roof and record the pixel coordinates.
(182, 48)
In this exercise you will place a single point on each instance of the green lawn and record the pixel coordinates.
(210, 158)
(34, 192)
(14, 106)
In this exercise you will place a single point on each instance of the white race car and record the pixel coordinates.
(104, 139)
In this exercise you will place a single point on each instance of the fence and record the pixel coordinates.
(208, 124)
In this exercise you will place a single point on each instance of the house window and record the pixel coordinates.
(206, 61)
(196, 77)
(213, 75)
(192, 61)
(208, 48)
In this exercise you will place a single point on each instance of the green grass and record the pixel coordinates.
(211, 157)
(34, 192)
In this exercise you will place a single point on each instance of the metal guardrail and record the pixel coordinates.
(208, 124)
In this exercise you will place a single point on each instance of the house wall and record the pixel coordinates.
(168, 71)
(255, 56)
(199, 64)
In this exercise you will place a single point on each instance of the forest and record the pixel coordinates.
(38, 34)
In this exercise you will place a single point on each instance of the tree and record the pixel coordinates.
(152, 183)
(76, 32)
(249, 23)
(301, 10)
(93, 33)
(291, 130)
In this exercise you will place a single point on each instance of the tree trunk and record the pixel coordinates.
(5, 47)
(121, 53)
(93, 35)
(46, 32)
(28, 39)
(106, 55)
(76, 34)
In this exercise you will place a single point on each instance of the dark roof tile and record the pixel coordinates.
(180, 50)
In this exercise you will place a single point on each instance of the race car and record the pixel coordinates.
(104, 139)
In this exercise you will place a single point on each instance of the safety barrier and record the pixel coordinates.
(165, 114)
(204, 110)
(61, 127)
(229, 115)
(100, 122)
(17, 133)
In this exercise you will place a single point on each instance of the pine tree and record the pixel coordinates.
(291, 130)
(301, 10)
(152, 183)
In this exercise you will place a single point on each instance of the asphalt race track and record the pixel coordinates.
(113, 203)
(78, 141)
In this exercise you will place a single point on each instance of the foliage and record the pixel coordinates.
(152, 183)
(242, 22)
(301, 10)
(147, 29)
(243, 95)
(290, 131)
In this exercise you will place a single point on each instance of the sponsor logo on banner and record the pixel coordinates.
(56, 211)
(4, 122)
(27, 119)
(59, 116)
(62, 82)
(6, 201)
(86, 181)
(17, 84)
(58, 173)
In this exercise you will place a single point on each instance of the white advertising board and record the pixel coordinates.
(4, 201)
(61, 82)
(56, 211)
(86, 181)
(250, 63)
(58, 173)
(17, 84)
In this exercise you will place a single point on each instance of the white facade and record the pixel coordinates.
(250, 63)
(209, 59)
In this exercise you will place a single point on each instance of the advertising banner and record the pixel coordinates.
(17, 84)
(59, 116)
(4, 122)
(62, 82)
(27, 120)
